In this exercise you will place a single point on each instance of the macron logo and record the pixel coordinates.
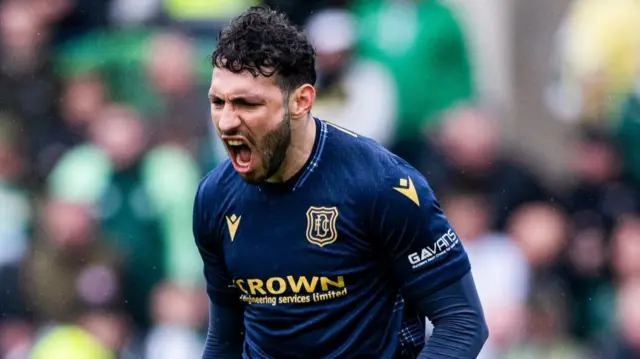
(439, 248)
(232, 223)
(408, 189)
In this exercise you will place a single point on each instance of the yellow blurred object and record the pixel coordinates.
(605, 35)
(188, 10)
(602, 49)
(69, 342)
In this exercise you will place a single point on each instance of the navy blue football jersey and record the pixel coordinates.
(324, 262)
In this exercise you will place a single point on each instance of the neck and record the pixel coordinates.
(303, 134)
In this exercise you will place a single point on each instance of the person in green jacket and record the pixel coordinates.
(423, 45)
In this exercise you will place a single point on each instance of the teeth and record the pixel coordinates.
(235, 143)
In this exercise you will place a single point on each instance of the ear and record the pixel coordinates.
(301, 101)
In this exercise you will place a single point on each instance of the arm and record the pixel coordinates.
(430, 264)
(225, 336)
(460, 329)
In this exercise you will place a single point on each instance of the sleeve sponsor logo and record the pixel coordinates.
(439, 248)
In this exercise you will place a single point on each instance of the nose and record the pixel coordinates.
(229, 121)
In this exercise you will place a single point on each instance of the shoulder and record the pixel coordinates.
(403, 189)
(375, 167)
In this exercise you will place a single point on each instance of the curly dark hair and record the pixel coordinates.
(264, 42)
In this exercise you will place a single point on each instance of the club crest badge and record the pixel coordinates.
(321, 225)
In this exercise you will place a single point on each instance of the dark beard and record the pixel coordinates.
(275, 145)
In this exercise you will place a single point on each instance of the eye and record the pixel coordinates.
(241, 102)
(218, 102)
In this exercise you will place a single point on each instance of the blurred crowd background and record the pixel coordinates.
(524, 116)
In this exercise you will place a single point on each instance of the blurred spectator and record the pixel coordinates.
(162, 75)
(28, 85)
(83, 97)
(546, 333)
(600, 189)
(623, 341)
(113, 330)
(178, 314)
(541, 232)
(143, 195)
(626, 249)
(179, 114)
(16, 338)
(598, 199)
(465, 154)
(422, 44)
(588, 282)
(626, 344)
(69, 267)
(356, 94)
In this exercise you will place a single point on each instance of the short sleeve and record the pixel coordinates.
(219, 282)
(425, 252)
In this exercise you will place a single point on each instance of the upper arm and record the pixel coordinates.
(425, 252)
(219, 281)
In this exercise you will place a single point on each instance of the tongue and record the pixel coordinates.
(245, 154)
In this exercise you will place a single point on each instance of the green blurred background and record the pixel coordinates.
(523, 115)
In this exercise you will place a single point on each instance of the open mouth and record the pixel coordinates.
(240, 154)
